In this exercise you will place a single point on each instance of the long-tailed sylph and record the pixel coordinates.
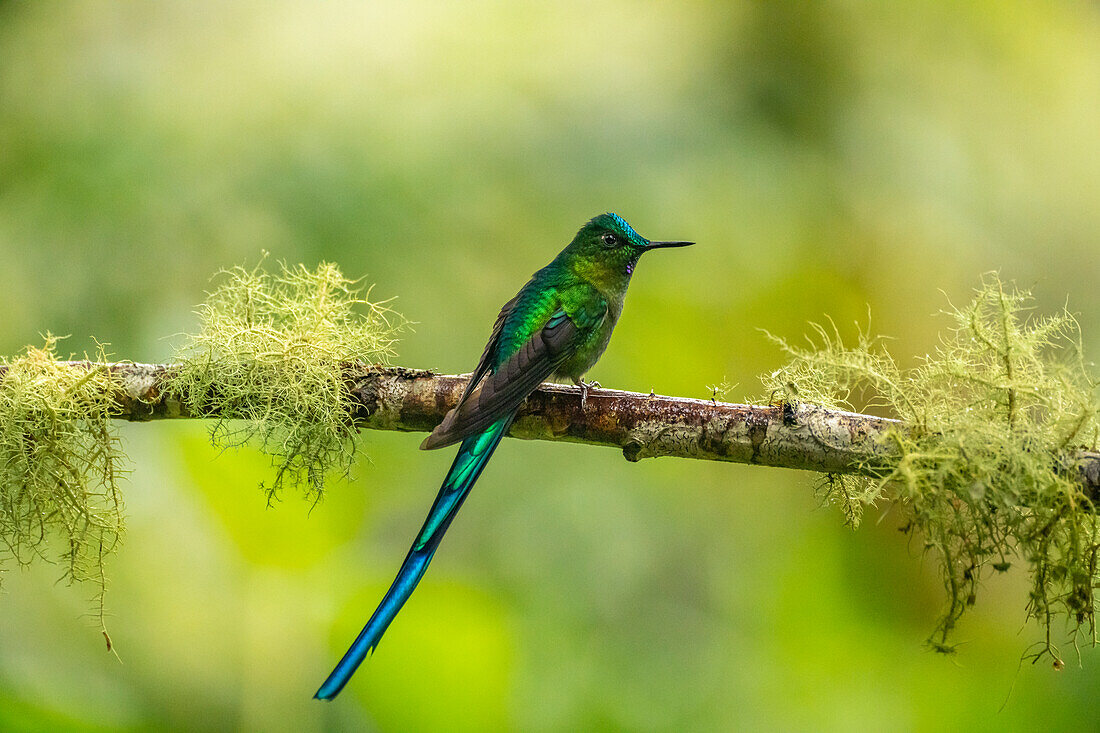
(558, 325)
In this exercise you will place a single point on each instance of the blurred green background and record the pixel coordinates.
(829, 158)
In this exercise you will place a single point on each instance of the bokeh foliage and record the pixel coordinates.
(825, 159)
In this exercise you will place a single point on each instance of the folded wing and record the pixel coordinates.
(501, 392)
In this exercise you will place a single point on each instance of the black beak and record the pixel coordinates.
(659, 245)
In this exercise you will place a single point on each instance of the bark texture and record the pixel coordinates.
(640, 425)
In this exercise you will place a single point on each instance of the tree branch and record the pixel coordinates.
(643, 426)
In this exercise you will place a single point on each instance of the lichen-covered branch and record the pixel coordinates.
(993, 458)
(798, 436)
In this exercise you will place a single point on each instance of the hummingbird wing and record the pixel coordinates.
(502, 390)
(486, 362)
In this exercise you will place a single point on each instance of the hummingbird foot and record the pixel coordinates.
(585, 386)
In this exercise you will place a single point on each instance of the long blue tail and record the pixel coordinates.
(471, 459)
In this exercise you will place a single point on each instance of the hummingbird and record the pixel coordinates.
(558, 325)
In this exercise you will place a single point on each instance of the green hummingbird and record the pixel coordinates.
(558, 325)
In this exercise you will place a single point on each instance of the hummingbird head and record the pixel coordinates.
(607, 248)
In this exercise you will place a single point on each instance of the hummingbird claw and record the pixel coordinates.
(585, 386)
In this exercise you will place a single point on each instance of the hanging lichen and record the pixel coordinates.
(60, 463)
(267, 366)
(984, 463)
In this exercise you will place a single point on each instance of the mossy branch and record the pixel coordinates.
(992, 452)
(787, 435)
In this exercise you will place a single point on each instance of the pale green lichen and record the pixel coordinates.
(983, 465)
(267, 365)
(60, 464)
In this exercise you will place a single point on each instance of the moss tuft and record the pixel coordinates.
(60, 463)
(982, 465)
(267, 366)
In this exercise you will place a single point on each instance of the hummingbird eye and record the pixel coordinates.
(610, 239)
